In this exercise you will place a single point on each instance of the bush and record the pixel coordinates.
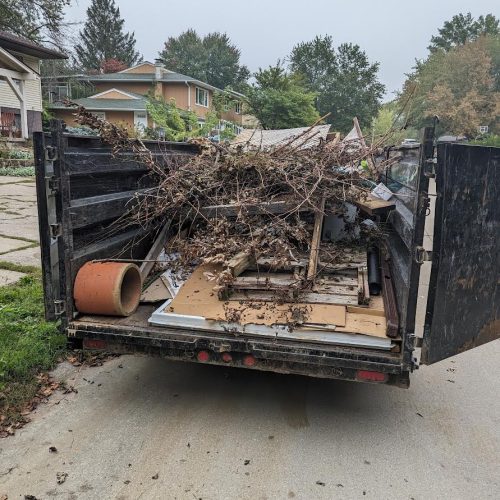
(17, 171)
(488, 140)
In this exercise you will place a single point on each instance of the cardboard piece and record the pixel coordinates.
(197, 298)
(155, 292)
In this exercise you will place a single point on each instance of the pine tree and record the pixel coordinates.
(103, 38)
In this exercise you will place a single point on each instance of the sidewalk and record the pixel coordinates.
(18, 226)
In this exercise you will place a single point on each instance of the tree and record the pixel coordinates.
(460, 86)
(32, 19)
(112, 66)
(279, 100)
(103, 38)
(388, 126)
(212, 59)
(464, 28)
(345, 81)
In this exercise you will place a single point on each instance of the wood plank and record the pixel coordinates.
(338, 280)
(239, 263)
(375, 206)
(336, 289)
(327, 298)
(316, 242)
(263, 282)
(155, 251)
(361, 288)
(366, 285)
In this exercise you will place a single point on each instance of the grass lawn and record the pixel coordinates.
(28, 344)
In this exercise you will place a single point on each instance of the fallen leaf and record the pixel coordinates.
(155, 476)
(52, 449)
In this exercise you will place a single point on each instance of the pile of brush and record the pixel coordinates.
(231, 199)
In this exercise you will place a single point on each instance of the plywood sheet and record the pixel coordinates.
(196, 298)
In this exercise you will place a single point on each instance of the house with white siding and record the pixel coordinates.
(20, 86)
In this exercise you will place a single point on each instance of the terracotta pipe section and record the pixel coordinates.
(108, 288)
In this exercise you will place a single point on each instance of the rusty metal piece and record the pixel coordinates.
(108, 288)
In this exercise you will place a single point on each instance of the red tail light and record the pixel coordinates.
(94, 344)
(226, 357)
(369, 376)
(249, 360)
(203, 356)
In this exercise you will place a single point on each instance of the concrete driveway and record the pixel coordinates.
(18, 225)
(153, 429)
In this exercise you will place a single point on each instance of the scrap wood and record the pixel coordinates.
(316, 241)
(155, 251)
(239, 263)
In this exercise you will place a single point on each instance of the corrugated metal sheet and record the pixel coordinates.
(306, 137)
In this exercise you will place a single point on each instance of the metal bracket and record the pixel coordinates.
(50, 153)
(55, 230)
(53, 184)
(422, 255)
(429, 169)
(220, 347)
(59, 307)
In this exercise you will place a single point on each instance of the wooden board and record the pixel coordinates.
(316, 242)
(375, 206)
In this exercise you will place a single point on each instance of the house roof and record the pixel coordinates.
(307, 137)
(137, 104)
(168, 76)
(17, 44)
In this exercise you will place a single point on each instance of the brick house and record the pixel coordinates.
(120, 97)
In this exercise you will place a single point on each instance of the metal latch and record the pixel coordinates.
(50, 153)
(422, 255)
(55, 230)
(59, 307)
(220, 347)
(54, 184)
(429, 169)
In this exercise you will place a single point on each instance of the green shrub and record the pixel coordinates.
(17, 171)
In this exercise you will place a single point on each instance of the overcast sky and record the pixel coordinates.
(392, 32)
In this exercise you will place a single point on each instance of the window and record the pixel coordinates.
(59, 93)
(202, 97)
(237, 107)
(99, 114)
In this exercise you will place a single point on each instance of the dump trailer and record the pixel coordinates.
(82, 188)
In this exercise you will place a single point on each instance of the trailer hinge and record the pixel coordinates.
(59, 307)
(55, 230)
(422, 255)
